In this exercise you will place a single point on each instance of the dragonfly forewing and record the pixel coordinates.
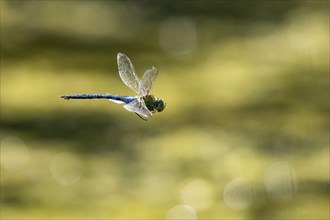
(127, 72)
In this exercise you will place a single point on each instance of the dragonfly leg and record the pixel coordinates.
(141, 117)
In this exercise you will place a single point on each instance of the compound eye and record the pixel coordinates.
(160, 105)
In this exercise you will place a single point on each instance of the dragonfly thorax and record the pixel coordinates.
(154, 104)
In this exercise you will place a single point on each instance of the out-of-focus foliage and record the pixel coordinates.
(245, 133)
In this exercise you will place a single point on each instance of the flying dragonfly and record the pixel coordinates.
(144, 104)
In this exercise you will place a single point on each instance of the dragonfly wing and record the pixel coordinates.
(127, 72)
(147, 81)
(138, 107)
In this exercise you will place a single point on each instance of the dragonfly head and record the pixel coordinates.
(159, 105)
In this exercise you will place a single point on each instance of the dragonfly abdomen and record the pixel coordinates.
(125, 99)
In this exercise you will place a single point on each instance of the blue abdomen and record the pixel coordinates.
(125, 99)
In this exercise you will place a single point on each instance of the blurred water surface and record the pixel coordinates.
(245, 133)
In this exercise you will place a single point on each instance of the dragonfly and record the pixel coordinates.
(143, 104)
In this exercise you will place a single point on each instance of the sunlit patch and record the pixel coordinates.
(181, 212)
(238, 194)
(66, 168)
(197, 193)
(280, 181)
(14, 154)
(178, 35)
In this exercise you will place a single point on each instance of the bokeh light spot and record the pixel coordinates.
(66, 168)
(181, 212)
(280, 181)
(197, 193)
(238, 194)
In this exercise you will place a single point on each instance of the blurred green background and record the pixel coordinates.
(245, 133)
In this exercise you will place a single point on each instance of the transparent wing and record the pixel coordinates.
(127, 72)
(147, 81)
(139, 108)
